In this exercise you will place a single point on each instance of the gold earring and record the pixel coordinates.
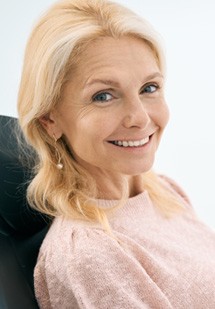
(59, 164)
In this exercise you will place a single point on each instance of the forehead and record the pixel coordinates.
(126, 61)
(108, 52)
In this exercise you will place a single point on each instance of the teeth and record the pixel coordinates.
(136, 143)
(132, 143)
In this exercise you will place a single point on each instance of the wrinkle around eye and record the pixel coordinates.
(85, 110)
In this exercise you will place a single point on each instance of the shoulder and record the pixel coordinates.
(69, 251)
(77, 255)
(74, 243)
(65, 233)
(86, 266)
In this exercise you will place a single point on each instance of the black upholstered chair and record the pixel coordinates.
(21, 229)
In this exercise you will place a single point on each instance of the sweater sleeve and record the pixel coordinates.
(92, 271)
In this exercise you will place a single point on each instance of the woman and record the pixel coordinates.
(92, 104)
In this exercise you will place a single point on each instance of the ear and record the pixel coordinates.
(50, 124)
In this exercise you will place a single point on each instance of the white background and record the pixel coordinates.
(187, 151)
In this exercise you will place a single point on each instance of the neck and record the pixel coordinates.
(117, 187)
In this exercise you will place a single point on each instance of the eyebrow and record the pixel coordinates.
(116, 84)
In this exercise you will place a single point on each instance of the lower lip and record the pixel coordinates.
(135, 149)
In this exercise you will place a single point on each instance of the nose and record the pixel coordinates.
(136, 114)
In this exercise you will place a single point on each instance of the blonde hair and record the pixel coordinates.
(53, 50)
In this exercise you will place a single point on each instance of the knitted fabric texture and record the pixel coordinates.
(160, 264)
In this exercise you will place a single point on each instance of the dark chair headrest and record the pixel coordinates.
(16, 217)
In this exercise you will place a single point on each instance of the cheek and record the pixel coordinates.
(89, 131)
(98, 124)
(162, 116)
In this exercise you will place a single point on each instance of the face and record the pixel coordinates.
(113, 111)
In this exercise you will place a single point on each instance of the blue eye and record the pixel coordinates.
(102, 97)
(150, 88)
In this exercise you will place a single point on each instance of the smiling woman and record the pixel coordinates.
(96, 116)
(92, 104)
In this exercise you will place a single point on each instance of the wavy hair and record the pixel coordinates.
(52, 52)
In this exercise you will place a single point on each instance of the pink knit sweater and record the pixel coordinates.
(163, 263)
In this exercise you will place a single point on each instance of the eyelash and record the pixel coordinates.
(107, 93)
(151, 85)
(101, 93)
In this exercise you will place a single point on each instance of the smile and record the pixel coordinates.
(131, 143)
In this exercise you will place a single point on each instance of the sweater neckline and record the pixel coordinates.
(129, 201)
